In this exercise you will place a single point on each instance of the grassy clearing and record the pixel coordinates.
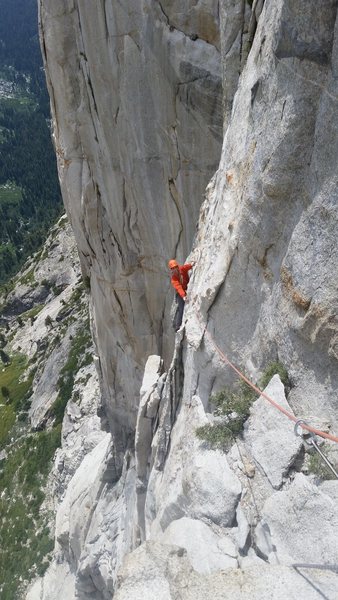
(11, 378)
(14, 395)
(7, 420)
(10, 194)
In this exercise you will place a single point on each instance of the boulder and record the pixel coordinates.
(207, 551)
(196, 481)
(270, 435)
(300, 524)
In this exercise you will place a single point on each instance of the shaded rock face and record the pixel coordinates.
(136, 98)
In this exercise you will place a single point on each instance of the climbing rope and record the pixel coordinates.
(290, 416)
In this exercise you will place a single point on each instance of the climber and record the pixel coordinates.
(179, 281)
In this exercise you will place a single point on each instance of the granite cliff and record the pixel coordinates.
(203, 129)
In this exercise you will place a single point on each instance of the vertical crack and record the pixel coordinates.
(257, 7)
(104, 12)
(242, 34)
(164, 14)
(174, 196)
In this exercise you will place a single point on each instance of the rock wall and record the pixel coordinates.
(136, 99)
(265, 283)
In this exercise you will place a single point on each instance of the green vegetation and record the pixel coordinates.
(15, 391)
(11, 378)
(275, 368)
(5, 392)
(77, 358)
(29, 190)
(4, 357)
(48, 321)
(7, 287)
(232, 408)
(76, 295)
(28, 278)
(30, 202)
(7, 420)
(25, 540)
(32, 312)
(10, 195)
(86, 282)
(30, 199)
(20, 55)
(318, 467)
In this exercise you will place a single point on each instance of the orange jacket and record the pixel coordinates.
(180, 282)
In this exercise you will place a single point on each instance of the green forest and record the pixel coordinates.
(30, 199)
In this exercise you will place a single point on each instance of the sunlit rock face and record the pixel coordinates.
(137, 110)
(266, 245)
(136, 98)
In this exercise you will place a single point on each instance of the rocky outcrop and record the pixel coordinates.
(263, 285)
(269, 436)
(303, 507)
(223, 525)
(159, 571)
(42, 312)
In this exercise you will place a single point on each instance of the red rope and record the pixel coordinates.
(290, 416)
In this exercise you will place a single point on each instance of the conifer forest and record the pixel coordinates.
(30, 198)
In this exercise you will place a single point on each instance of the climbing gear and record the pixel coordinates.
(178, 314)
(290, 416)
(333, 567)
(180, 279)
(312, 441)
(172, 263)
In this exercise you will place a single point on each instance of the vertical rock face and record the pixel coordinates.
(136, 98)
(266, 277)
